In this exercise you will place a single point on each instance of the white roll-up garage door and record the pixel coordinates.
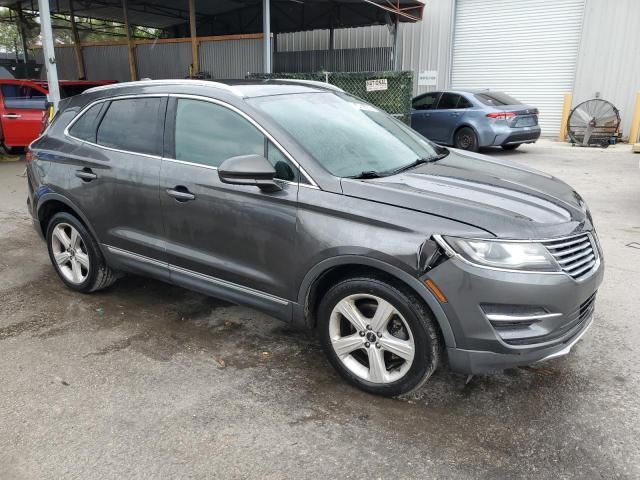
(526, 48)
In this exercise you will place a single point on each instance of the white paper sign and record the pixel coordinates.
(428, 78)
(375, 85)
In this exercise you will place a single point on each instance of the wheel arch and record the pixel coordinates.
(321, 276)
(51, 203)
(459, 127)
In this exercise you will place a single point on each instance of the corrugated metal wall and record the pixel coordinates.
(163, 60)
(609, 57)
(107, 62)
(65, 60)
(231, 58)
(424, 45)
(341, 60)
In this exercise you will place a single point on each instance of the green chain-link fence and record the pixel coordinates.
(389, 91)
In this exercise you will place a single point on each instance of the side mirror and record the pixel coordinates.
(249, 170)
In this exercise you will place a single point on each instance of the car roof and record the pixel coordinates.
(240, 88)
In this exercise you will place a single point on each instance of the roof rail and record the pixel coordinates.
(188, 81)
(311, 83)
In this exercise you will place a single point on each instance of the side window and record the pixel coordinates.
(133, 125)
(464, 103)
(85, 127)
(22, 97)
(448, 101)
(426, 102)
(284, 169)
(224, 133)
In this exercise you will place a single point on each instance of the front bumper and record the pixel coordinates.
(480, 345)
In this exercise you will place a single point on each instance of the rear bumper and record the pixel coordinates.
(501, 134)
(515, 138)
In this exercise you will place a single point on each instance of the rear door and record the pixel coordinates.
(421, 110)
(234, 237)
(114, 160)
(23, 107)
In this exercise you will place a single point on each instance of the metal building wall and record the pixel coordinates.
(424, 45)
(609, 56)
(65, 61)
(231, 58)
(339, 60)
(108, 62)
(163, 60)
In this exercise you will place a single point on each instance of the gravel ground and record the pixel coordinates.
(146, 380)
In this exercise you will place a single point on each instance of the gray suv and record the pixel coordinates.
(319, 209)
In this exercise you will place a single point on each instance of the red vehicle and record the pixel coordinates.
(23, 107)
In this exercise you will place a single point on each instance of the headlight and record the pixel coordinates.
(509, 255)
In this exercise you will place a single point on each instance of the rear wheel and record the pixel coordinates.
(466, 139)
(379, 337)
(75, 255)
(512, 146)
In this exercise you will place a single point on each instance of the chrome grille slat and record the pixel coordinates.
(582, 261)
(574, 258)
(576, 255)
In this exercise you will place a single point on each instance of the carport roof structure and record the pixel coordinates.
(286, 15)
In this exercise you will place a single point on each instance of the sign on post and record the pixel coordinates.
(428, 78)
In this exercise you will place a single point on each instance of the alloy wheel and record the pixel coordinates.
(371, 338)
(70, 253)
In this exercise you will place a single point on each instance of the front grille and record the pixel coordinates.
(575, 321)
(576, 255)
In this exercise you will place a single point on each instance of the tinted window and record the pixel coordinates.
(464, 103)
(133, 125)
(207, 133)
(425, 102)
(22, 96)
(448, 101)
(85, 127)
(284, 169)
(496, 98)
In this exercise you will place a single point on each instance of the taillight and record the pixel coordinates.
(501, 115)
(28, 156)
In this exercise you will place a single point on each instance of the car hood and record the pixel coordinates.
(504, 199)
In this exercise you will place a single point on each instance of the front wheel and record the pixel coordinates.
(379, 337)
(466, 139)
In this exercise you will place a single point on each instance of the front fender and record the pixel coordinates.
(322, 267)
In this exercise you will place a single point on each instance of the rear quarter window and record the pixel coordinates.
(84, 127)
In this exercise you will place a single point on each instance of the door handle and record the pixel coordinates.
(86, 174)
(455, 114)
(11, 115)
(181, 194)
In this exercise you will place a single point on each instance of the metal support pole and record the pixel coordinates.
(49, 53)
(331, 39)
(23, 40)
(266, 33)
(396, 62)
(77, 47)
(133, 71)
(195, 61)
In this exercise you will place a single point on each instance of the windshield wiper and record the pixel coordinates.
(418, 161)
(367, 174)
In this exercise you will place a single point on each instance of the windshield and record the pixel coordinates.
(346, 135)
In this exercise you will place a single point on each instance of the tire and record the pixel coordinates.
(513, 146)
(466, 139)
(80, 264)
(13, 150)
(351, 350)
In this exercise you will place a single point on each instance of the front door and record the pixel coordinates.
(235, 237)
(421, 110)
(23, 107)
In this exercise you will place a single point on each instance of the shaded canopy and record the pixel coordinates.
(221, 17)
